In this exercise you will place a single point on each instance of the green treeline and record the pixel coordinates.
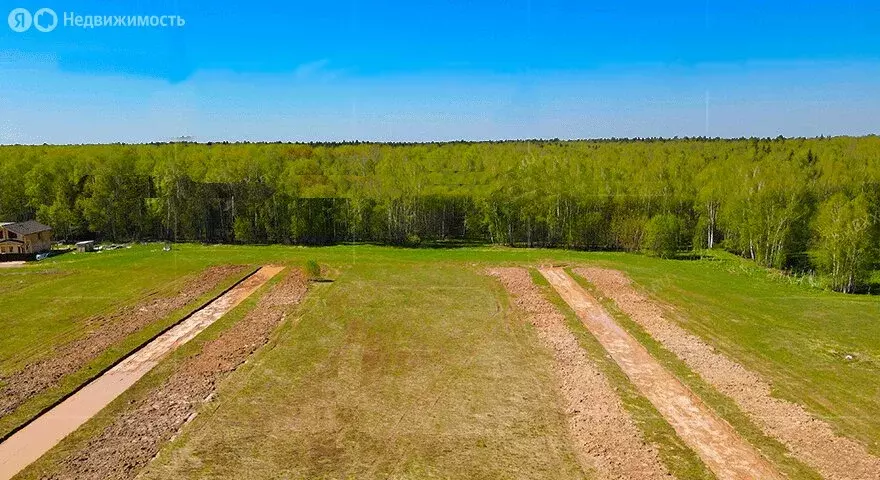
(785, 203)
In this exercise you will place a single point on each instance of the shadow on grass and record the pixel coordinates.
(698, 256)
(436, 244)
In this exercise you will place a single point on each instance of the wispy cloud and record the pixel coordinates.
(317, 70)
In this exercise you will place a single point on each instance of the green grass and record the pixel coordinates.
(36, 404)
(679, 459)
(396, 369)
(725, 407)
(46, 303)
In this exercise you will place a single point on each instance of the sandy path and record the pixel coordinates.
(713, 439)
(31, 442)
(607, 440)
(136, 435)
(809, 438)
(11, 264)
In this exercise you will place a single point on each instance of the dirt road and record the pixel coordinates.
(30, 443)
(808, 437)
(606, 438)
(715, 441)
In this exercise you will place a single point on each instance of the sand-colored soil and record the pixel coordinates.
(720, 447)
(35, 439)
(606, 439)
(809, 438)
(134, 438)
(105, 332)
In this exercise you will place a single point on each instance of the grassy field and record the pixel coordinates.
(395, 370)
(44, 304)
(410, 364)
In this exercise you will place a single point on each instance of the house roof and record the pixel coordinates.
(26, 228)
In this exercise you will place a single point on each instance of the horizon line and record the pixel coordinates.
(441, 142)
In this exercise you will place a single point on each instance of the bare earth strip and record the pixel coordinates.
(809, 438)
(31, 442)
(608, 441)
(714, 440)
(106, 331)
(134, 438)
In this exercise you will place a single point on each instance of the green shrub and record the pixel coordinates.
(662, 235)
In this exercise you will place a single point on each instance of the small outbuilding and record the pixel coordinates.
(85, 246)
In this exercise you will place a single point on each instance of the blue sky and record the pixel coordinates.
(443, 70)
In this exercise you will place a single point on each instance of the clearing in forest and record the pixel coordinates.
(413, 363)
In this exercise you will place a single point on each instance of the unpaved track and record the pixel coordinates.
(607, 440)
(714, 440)
(106, 331)
(31, 442)
(137, 434)
(809, 438)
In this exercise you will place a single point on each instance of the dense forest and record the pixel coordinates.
(798, 204)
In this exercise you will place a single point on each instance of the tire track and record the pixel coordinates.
(811, 439)
(607, 440)
(720, 447)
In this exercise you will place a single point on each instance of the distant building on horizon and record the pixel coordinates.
(24, 238)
